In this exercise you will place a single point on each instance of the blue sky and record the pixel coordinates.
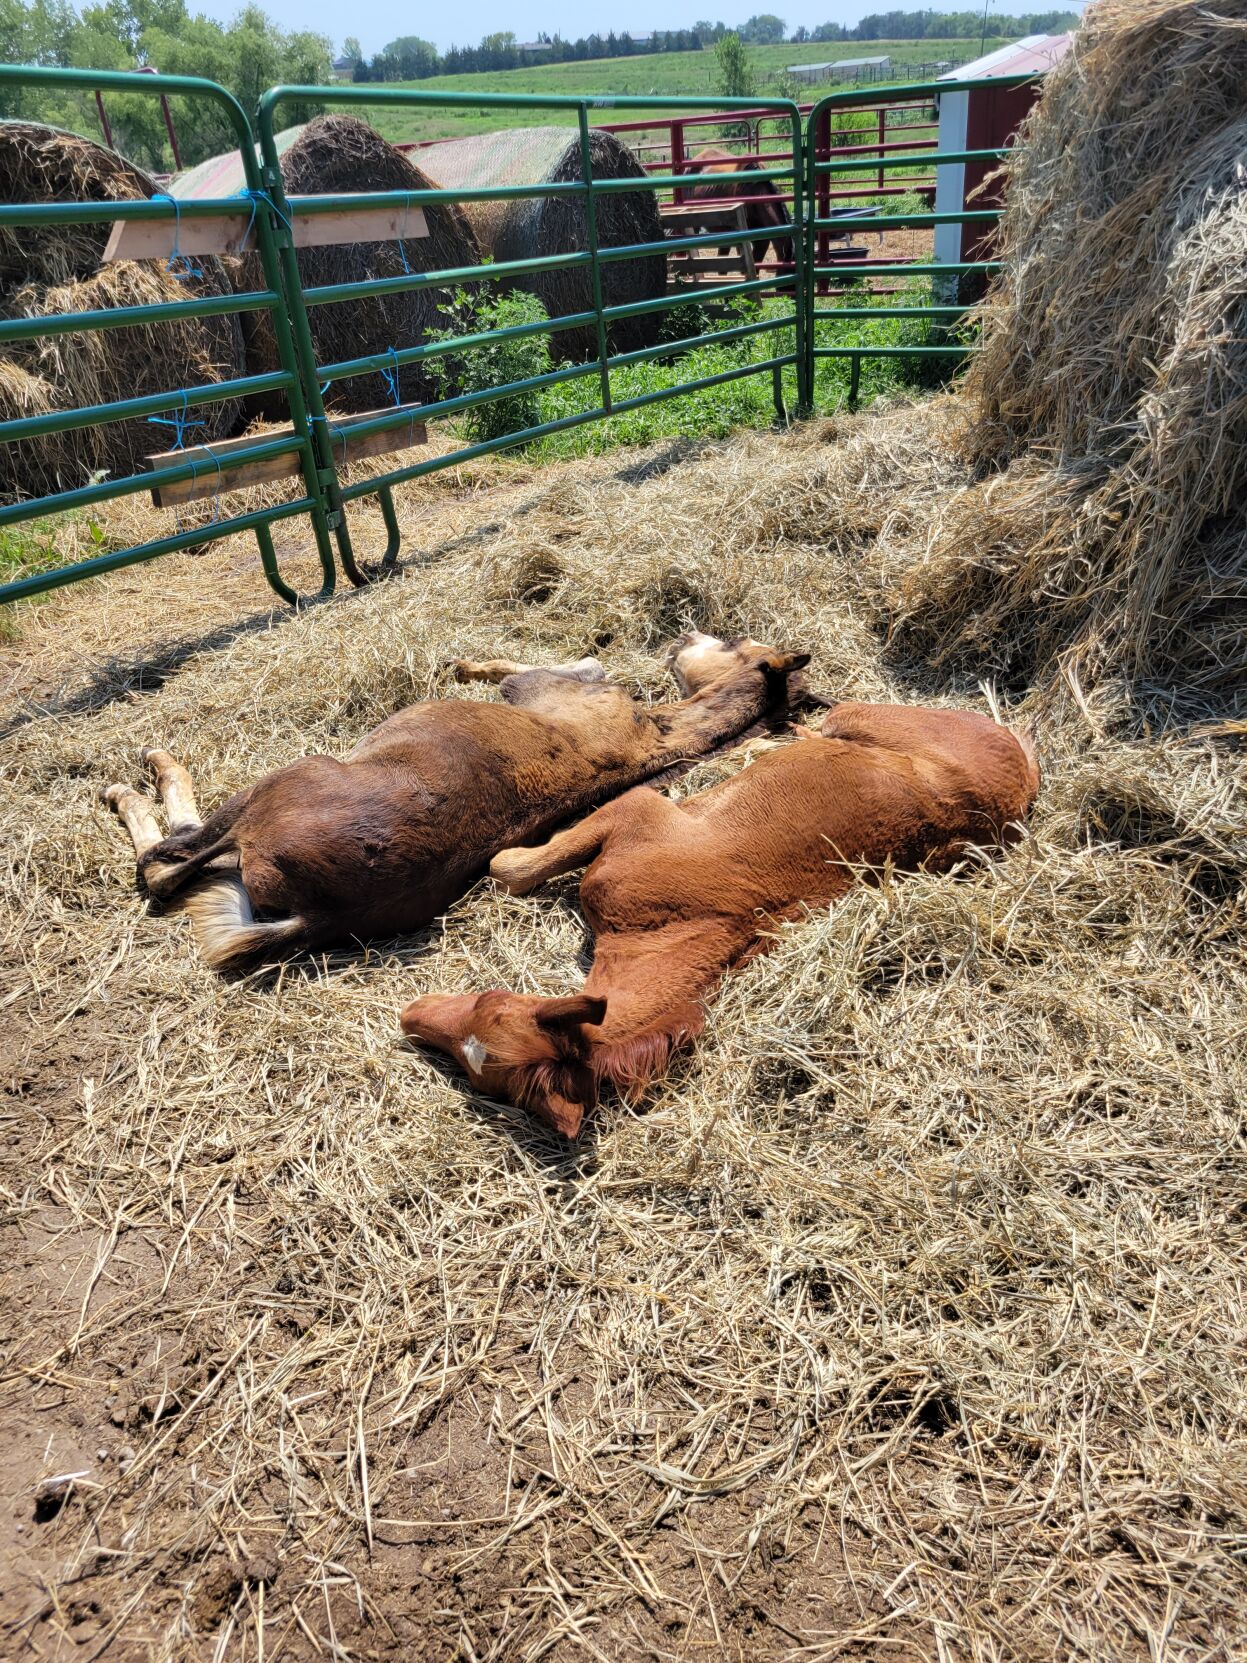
(377, 21)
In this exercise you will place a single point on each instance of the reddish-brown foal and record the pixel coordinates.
(383, 841)
(679, 893)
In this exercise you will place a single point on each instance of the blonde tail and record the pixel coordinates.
(226, 930)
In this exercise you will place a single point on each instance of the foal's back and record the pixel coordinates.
(879, 784)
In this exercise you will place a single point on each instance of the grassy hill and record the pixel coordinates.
(666, 74)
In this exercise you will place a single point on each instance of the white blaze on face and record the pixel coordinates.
(474, 1053)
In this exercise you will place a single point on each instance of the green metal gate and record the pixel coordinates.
(288, 381)
(301, 381)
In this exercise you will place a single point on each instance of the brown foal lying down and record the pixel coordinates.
(383, 841)
(679, 893)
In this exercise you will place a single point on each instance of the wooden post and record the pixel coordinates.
(883, 134)
(677, 156)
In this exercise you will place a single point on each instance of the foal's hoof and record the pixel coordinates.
(460, 668)
(112, 794)
(509, 870)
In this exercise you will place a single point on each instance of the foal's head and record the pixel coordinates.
(699, 661)
(530, 1051)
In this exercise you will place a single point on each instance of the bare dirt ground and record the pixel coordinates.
(905, 1321)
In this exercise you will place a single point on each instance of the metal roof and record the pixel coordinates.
(837, 63)
(1033, 54)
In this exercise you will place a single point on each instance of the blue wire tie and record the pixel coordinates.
(255, 198)
(178, 264)
(216, 495)
(402, 251)
(390, 377)
(179, 422)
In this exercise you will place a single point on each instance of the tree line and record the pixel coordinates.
(246, 56)
(251, 53)
(409, 58)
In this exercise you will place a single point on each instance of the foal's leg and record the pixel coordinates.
(174, 787)
(139, 814)
(519, 870)
(498, 669)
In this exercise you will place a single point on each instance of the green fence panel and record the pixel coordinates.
(822, 168)
(593, 258)
(288, 381)
(303, 382)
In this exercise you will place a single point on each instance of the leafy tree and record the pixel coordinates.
(412, 58)
(733, 77)
(763, 30)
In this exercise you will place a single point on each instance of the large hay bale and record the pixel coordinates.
(533, 226)
(337, 154)
(46, 164)
(1108, 408)
(44, 272)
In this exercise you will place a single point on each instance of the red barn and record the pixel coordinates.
(984, 118)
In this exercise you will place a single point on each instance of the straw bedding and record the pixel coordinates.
(906, 1309)
(59, 270)
(539, 226)
(338, 154)
(906, 1320)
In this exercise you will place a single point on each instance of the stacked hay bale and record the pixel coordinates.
(528, 227)
(59, 269)
(336, 155)
(1105, 527)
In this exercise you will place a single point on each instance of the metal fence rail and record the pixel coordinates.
(788, 332)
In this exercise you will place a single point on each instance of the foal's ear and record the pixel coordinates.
(565, 1114)
(787, 661)
(559, 1018)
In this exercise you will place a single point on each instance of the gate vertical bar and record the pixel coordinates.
(820, 192)
(802, 286)
(595, 267)
(303, 348)
(288, 357)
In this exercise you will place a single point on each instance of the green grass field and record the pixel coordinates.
(665, 75)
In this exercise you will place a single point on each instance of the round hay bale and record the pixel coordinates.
(529, 227)
(45, 272)
(46, 164)
(1102, 532)
(337, 154)
(103, 366)
(40, 465)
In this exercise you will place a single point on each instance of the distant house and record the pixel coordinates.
(344, 69)
(857, 69)
(535, 48)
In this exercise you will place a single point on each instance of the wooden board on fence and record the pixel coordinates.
(212, 478)
(708, 268)
(710, 216)
(156, 239)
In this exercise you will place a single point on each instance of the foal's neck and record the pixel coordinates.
(715, 714)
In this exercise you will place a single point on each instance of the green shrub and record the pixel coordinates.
(493, 363)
